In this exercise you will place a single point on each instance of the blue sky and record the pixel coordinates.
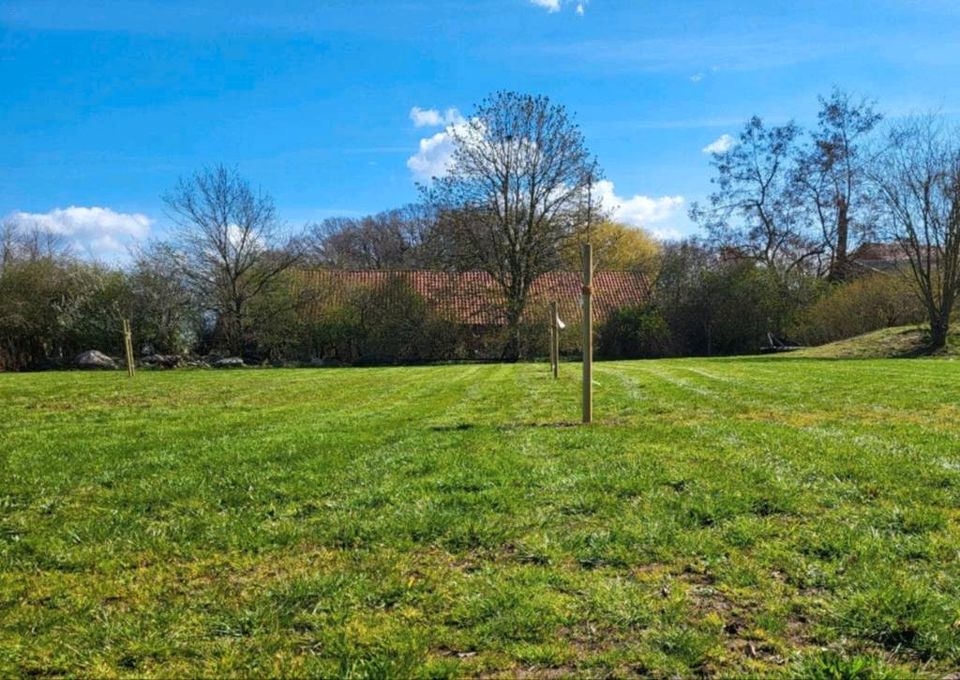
(104, 104)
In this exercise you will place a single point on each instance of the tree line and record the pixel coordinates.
(795, 203)
(789, 208)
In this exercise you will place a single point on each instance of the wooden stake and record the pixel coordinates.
(587, 334)
(554, 341)
(128, 346)
(552, 332)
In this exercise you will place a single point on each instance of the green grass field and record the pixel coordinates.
(775, 516)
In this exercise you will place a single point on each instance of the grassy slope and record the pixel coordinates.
(726, 516)
(898, 342)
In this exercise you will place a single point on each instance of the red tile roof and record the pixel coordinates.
(882, 257)
(473, 298)
(873, 253)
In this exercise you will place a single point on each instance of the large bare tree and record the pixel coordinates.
(233, 244)
(513, 193)
(756, 211)
(918, 183)
(833, 175)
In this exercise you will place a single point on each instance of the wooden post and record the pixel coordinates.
(128, 346)
(552, 333)
(587, 324)
(554, 341)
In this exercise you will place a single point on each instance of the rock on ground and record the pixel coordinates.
(93, 359)
(228, 362)
(162, 360)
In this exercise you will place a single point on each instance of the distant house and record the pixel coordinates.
(885, 258)
(473, 298)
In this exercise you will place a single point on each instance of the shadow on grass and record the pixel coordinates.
(458, 427)
(511, 427)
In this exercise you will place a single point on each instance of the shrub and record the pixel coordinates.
(165, 314)
(50, 310)
(333, 335)
(716, 307)
(397, 326)
(387, 324)
(860, 306)
(633, 333)
(28, 316)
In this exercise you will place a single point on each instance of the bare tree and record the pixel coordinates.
(833, 174)
(513, 192)
(30, 244)
(756, 211)
(918, 183)
(338, 242)
(392, 239)
(8, 244)
(233, 244)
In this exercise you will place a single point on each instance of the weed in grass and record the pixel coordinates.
(902, 615)
(834, 666)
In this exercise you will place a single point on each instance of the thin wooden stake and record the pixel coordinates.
(128, 346)
(587, 334)
(554, 341)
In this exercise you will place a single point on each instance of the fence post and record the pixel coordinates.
(554, 341)
(587, 334)
(128, 346)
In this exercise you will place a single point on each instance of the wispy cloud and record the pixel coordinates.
(580, 6)
(721, 144)
(549, 5)
(434, 117)
(97, 232)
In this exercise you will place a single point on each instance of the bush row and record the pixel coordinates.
(52, 309)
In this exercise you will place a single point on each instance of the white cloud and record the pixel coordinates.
(434, 118)
(721, 144)
(97, 232)
(696, 77)
(435, 153)
(549, 5)
(651, 213)
(665, 233)
(434, 157)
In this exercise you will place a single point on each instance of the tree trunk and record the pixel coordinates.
(236, 345)
(939, 328)
(513, 350)
(516, 302)
(838, 269)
